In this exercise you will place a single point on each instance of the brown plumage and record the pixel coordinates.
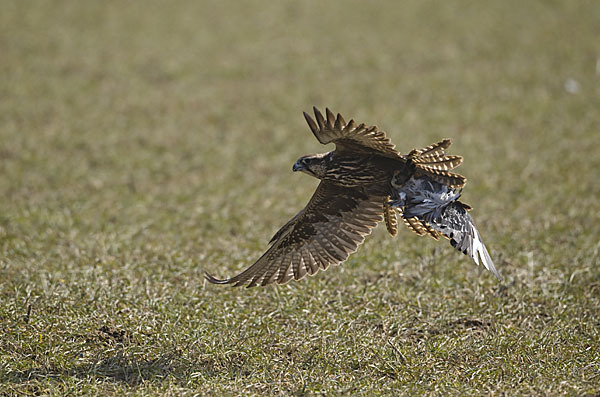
(357, 180)
(391, 221)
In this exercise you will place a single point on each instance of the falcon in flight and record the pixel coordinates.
(363, 182)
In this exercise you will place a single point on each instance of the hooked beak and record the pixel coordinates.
(297, 166)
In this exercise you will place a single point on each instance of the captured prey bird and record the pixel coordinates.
(365, 181)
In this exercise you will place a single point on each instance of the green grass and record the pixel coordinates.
(142, 143)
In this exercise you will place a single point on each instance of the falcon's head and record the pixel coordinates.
(313, 164)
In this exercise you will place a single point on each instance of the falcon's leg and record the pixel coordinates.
(389, 214)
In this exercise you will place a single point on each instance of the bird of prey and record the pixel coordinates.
(365, 180)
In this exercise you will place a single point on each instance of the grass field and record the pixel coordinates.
(142, 143)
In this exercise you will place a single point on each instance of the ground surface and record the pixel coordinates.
(143, 143)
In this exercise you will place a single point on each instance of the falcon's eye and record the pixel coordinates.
(299, 165)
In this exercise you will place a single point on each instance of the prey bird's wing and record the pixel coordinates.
(456, 224)
(331, 227)
(430, 207)
(350, 137)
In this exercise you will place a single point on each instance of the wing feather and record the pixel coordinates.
(309, 261)
(348, 137)
(331, 227)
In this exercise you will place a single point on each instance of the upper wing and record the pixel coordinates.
(331, 226)
(349, 136)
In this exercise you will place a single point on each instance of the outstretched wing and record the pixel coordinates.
(331, 227)
(350, 137)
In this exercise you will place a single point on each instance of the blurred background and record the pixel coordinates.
(142, 143)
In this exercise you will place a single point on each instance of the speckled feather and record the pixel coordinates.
(332, 226)
(427, 205)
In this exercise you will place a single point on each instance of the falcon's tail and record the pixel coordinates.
(436, 164)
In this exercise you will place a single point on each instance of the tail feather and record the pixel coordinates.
(443, 163)
(437, 147)
(448, 178)
(435, 163)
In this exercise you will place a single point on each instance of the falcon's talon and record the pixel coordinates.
(364, 181)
